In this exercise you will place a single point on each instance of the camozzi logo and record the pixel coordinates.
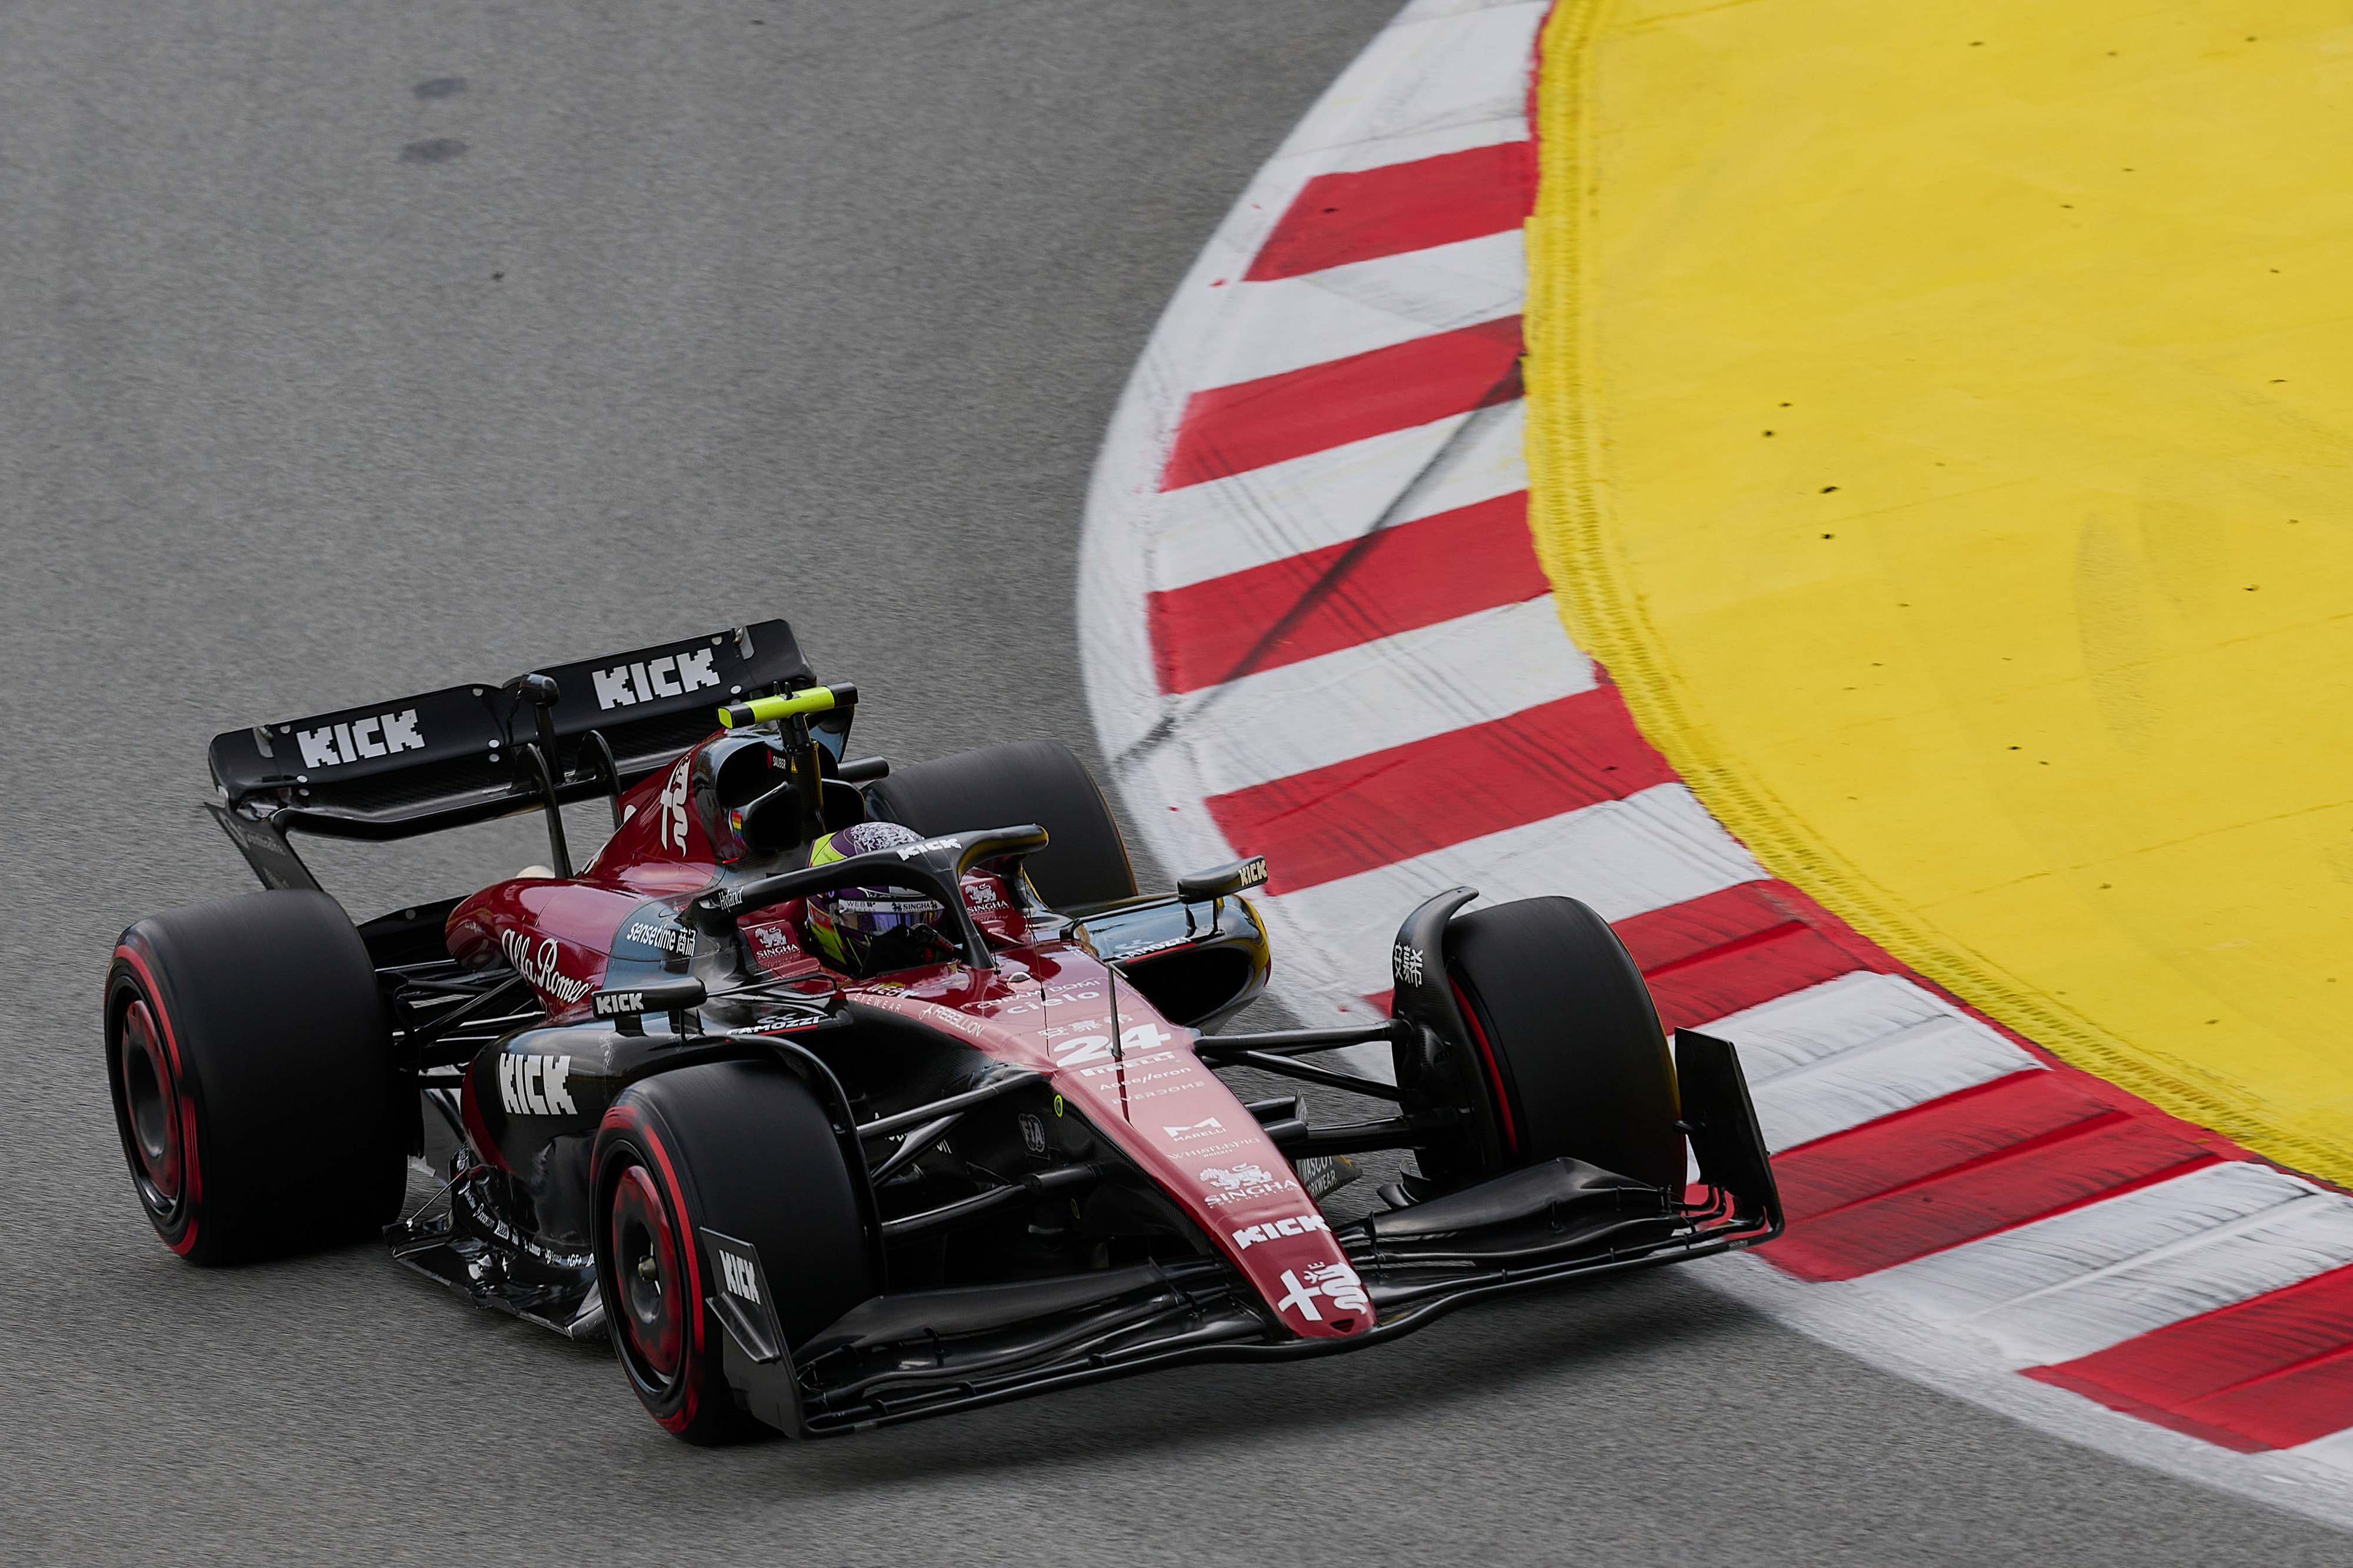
(673, 675)
(537, 965)
(332, 745)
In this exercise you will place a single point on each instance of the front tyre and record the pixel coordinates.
(249, 1056)
(743, 1150)
(1570, 1056)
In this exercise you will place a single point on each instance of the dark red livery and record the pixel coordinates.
(806, 1198)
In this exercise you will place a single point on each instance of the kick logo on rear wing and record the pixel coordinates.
(456, 751)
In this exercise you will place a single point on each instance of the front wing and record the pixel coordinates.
(901, 1357)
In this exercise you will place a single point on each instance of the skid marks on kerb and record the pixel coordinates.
(1306, 637)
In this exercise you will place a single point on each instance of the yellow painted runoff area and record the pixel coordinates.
(1942, 429)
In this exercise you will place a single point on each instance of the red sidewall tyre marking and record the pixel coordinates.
(1494, 1070)
(191, 1167)
(689, 1373)
(146, 1072)
(660, 1339)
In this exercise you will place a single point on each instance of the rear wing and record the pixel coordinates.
(468, 754)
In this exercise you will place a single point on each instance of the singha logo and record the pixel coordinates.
(1237, 1178)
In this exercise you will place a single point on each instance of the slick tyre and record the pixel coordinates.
(250, 1060)
(1017, 782)
(1569, 1053)
(743, 1150)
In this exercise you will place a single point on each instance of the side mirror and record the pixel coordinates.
(777, 820)
(1223, 882)
(629, 1004)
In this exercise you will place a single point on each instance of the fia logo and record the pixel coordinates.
(336, 744)
(737, 1273)
(1033, 1133)
(671, 804)
(673, 675)
(1405, 960)
(534, 1086)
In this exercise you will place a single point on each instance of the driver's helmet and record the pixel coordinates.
(866, 930)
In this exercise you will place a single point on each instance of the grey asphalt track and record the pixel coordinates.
(351, 351)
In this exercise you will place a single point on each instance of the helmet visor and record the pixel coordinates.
(871, 916)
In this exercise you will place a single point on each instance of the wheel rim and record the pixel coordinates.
(151, 1104)
(646, 1271)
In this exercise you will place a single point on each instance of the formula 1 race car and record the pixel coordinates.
(840, 1094)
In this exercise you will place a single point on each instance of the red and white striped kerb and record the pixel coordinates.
(1315, 629)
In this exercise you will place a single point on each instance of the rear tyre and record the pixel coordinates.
(1018, 782)
(746, 1151)
(250, 1060)
(1570, 1055)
